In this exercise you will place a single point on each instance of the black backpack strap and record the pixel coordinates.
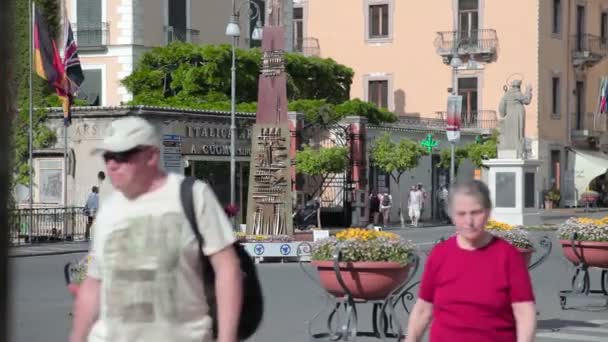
(187, 198)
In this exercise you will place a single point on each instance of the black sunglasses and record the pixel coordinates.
(121, 157)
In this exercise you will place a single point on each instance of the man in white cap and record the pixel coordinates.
(144, 281)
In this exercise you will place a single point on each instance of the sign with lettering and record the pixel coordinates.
(172, 153)
(213, 139)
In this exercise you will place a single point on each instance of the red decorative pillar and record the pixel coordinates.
(358, 168)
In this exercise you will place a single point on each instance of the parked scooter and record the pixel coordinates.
(306, 218)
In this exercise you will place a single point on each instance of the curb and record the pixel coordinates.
(35, 254)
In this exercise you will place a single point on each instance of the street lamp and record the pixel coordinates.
(233, 30)
(455, 63)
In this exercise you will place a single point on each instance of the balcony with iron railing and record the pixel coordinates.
(587, 125)
(307, 46)
(91, 36)
(482, 44)
(482, 121)
(588, 49)
(173, 34)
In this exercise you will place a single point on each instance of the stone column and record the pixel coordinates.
(358, 168)
(296, 124)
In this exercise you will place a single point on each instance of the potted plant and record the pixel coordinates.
(553, 196)
(372, 263)
(590, 240)
(517, 236)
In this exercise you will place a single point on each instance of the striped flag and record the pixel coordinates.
(48, 63)
(73, 69)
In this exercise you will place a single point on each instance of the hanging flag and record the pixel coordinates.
(73, 69)
(47, 61)
(604, 96)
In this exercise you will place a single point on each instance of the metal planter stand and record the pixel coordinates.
(581, 281)
(342, 322)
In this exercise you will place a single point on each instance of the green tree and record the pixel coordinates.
(445, 158)
(43, 136)
(191, 71)
(395, 159)
(194, 76)
(483, 150)
(319, 165)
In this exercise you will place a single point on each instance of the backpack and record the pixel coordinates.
(253, 301)
(386, 200)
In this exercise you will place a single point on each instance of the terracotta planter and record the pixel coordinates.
(303, 236)
(364, 280)
(527, 254)
(594, 253)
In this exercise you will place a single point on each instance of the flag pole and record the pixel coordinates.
(65, 138)
(31, 122)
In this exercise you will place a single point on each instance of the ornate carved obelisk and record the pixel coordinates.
(269, 205)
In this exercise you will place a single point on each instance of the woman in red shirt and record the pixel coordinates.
(476, 287)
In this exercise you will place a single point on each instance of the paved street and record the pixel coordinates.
(41, 303)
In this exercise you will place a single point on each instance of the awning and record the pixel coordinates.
(588, 164)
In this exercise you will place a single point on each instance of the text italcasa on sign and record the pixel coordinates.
(214, 140)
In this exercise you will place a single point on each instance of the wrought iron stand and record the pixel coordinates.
(581, 282)
(342, 322)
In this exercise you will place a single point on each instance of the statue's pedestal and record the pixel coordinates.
(513, 187)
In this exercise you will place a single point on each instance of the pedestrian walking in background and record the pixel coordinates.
(386, 203)
(442, 199)
(475, 286)
(90, 210)
(374, 207)
(145, 279)
(414, 204)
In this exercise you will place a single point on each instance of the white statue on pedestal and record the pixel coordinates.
(512, 123)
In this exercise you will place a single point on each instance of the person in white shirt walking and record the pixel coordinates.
(144, 281)
(414, 204)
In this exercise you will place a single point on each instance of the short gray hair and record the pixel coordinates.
(474, 188)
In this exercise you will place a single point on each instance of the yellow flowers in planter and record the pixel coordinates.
(361, 234)
(358, 244)
(515, 235)
(586, 229)
(497, 225)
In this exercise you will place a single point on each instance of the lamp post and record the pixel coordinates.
(233, 30)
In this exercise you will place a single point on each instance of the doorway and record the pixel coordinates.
(216, 174)
(468, 21)
(467, 88)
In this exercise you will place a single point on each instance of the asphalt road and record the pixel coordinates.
(40, 301)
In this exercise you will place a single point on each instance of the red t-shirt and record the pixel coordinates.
(472, 291)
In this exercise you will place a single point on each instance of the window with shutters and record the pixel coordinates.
(378, 93)
(378, 21)
(298, 28)
(555, 96)
(89, 29)
(91, 88)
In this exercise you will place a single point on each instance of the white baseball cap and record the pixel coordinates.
(128, 133)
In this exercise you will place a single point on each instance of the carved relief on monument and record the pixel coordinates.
(270, 181)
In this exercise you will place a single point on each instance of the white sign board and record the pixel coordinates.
(172, 153)
(277, 249)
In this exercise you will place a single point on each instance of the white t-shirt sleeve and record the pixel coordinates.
(214, 225)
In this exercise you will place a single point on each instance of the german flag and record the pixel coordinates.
(48, 63)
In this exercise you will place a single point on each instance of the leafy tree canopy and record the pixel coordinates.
(322, 161)
(396, 157)
(198, 76)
